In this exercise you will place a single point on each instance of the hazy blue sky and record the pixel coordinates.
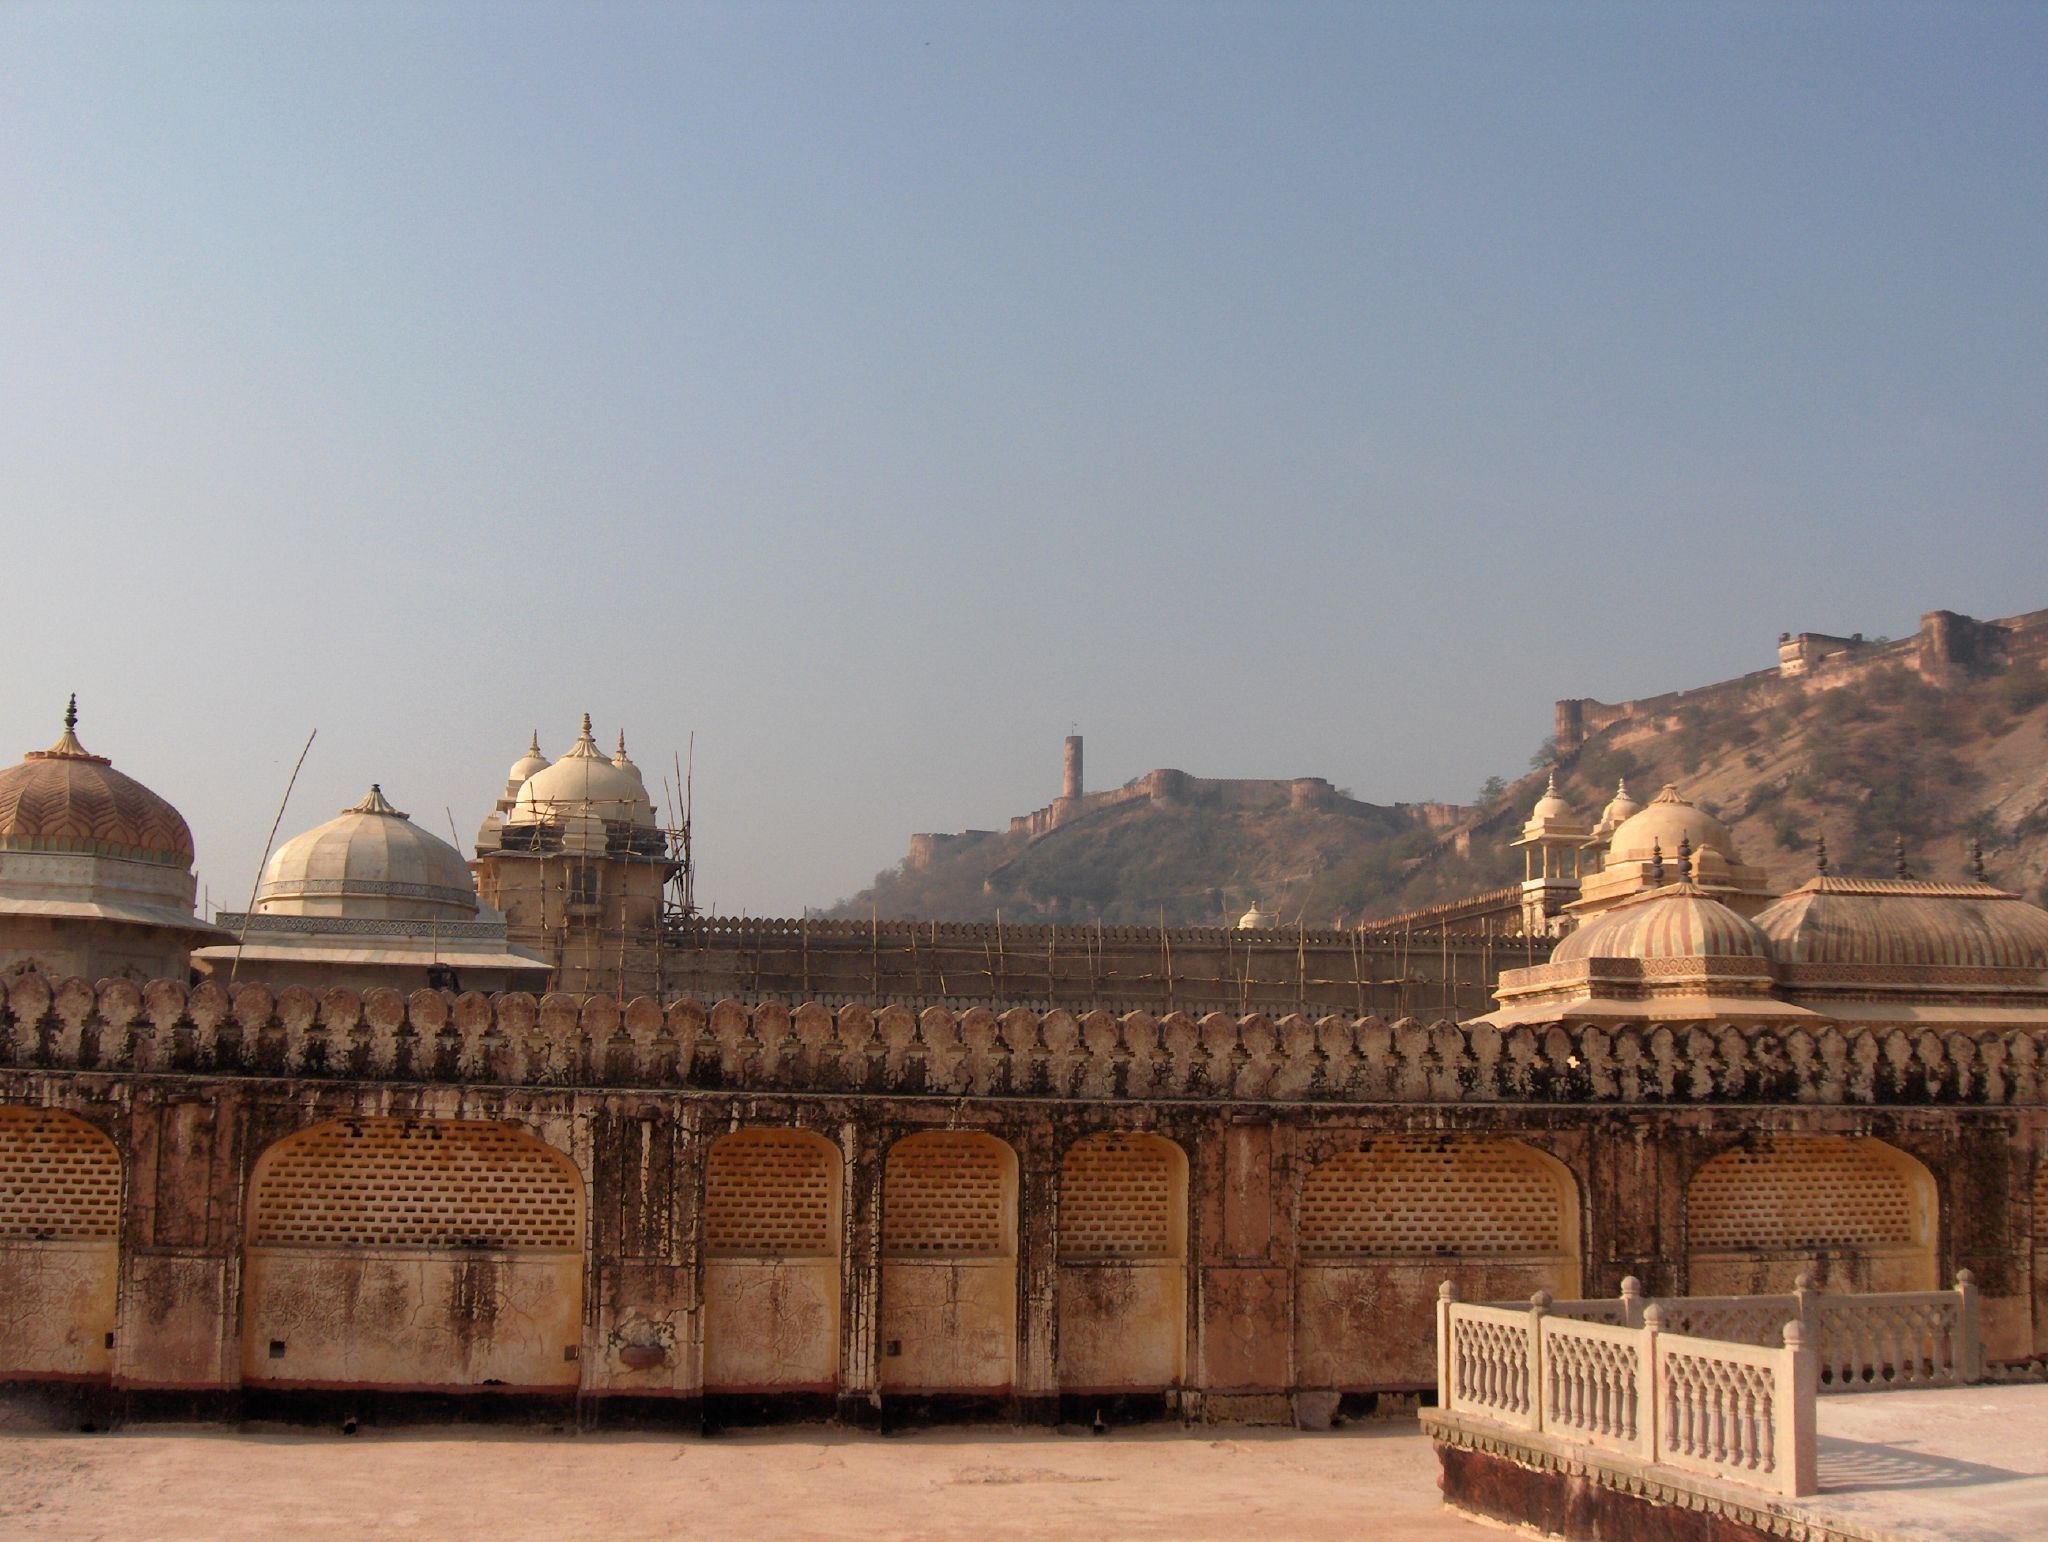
(878, 390)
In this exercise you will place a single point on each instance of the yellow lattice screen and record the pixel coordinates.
(946, 1195)
(1801, 1192)
(431, 1184)
(1409, 1196)
(60, 1179)
(1118, 1195)
(770, 1191)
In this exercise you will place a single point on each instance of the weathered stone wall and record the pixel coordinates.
(194, 1088)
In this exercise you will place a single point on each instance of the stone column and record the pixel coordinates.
(1038, 1158)
(177, 1346)
(860, 1264)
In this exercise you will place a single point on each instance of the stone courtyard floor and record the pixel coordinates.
(1374, 1478)
(1963, 1464)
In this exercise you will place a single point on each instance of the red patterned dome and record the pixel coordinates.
(64, 799)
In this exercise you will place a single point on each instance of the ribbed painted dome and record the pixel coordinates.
(370, 861)
(1902, 921)
(1678, 921)
(65, 799)
(583, 781)
(1668, 820)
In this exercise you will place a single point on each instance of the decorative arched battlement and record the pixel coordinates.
(559, 1040)
(1423, 1196)
(60, 1179)
(949, 1264)
(1858, 1213)
(1123, 1199)
(1380, 1227)
(60, 1225)
(949, 1196)
(1122, 1252)
(405, 1183)
(416, 1255)
(772, 1207)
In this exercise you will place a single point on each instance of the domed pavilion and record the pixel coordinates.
(95, 870)
(366, 899)
(576, 859)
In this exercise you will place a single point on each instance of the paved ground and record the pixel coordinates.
(1373, 1479)
(1966, 1464)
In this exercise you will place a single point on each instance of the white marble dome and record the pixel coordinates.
(532, 763)
(583, 782)
(1659, 828)
(369, 862)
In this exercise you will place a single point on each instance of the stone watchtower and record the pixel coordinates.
(1068, 803)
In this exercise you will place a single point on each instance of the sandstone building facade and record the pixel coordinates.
(268, 1198)
(341, 1203)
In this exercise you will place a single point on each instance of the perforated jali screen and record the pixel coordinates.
(1404, 1197)
(1798, 1192)
(945, 1195)
(60, 1179)
(770, 1191)
(1117, 1199)
(389, 1183)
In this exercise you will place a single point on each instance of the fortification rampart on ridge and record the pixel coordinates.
(1947, 649)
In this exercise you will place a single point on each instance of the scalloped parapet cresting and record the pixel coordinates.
(565, 1040)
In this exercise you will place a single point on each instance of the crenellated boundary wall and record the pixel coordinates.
(293, 1204)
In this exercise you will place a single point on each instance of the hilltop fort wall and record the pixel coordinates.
(1948, 648)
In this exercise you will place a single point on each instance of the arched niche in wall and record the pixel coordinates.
(1381, 1228)
(414, 1255)
(60, 1228)
(1857, 1212)
(771, 1265)
(949, 1264)
(1122, 1284)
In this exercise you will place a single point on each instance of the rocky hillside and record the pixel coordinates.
(1880, 759)
(1195, 852)
(1868, 754)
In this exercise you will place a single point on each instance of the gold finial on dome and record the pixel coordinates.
(1977, 859)
(67, 746)
(1900, 866)
(1656, 864)
(585, 747)
(1685, 859)
(374, 802)
(1820, 854)
(533, 744)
